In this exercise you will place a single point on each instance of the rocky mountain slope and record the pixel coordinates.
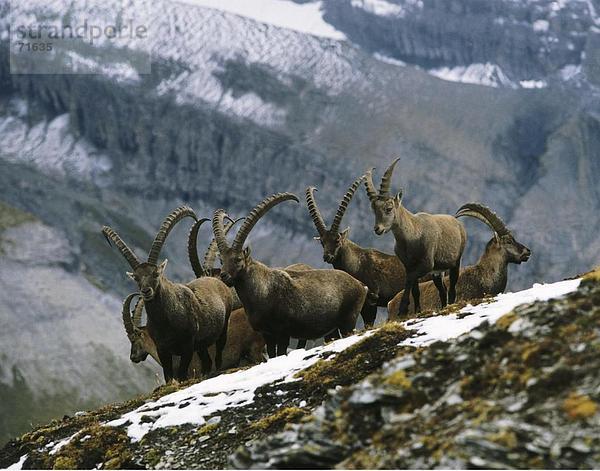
(236, 108)
(494, 388)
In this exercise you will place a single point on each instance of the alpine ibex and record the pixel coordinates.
(244, 345)
(207, 269)
(425, 243)
(181, 318)
(305, 304)
(383, 274)
(488, 277)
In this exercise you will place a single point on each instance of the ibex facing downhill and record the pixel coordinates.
(244, 345)
(488, 277)
(383, 274)
(303, 304)
(425, 243)
(181, 318)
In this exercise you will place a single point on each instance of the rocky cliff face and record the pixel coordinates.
(235, 110)
(528, 40)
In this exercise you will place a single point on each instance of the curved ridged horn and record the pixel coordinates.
(168, 224)
(371, 191)
(219, 230)
(258, 211)
(485, 215)
(137, 313)
(314, 212)
(197, 267)
(337, 220)
(213, 249)
(127, 314)
(386, 181)
(122, 246)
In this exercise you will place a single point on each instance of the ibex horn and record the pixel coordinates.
(122, 246)
(213, 248)
(337, 220)
(485, 215)
(168, 224)
(197, 267)
(127, 314)
(371, 191)
(314, 212)
(386, 181)
(258, 211)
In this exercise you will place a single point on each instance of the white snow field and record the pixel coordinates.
(193, 405)
(305, 18)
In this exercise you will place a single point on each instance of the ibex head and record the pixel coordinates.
(503, 240)
(148, 275)
(382, 202)
(236, 258)
(331, 239)
(135, 332)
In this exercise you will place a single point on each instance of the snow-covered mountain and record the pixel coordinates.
(245, 99)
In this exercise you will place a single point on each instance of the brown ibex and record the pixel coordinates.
(181, 318)
(305, 304)
(425, 243)
(488, 277)
(383, 274)
(244, 345)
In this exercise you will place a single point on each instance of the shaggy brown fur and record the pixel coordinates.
(305, 304)
(425, 242)
(383, 274)
(488, 277)
(181, 318)
(244, 345)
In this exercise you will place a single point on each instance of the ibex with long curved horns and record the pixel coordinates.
(488, 277)
(244, 345)
(425, 243)
(305, 304)
(383, 274)
(181, 318)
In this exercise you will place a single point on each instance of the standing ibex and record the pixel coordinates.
(488, 277)
(425, 243)
(244, 345)
(305, 304)
(383, 274)
(181, 318)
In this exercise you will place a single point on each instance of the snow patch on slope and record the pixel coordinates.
(50, 146)
(486, 74)
(305, 18)
(379, 7)
(441, 328)
(192, 405)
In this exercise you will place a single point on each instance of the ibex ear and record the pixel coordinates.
(344, 234)
(163, 265)
(247, 252)
(399, 197)
(496, 238)
(317, 238)
(130, 275)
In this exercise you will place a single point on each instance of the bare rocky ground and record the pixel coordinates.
(523, 392)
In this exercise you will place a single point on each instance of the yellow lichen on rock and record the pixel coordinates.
(579, 406)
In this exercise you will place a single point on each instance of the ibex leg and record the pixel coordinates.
(184, 364)
(166, 360)
(454, 272)
(439, 284)
(282, 345)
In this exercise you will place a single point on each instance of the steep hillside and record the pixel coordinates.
(486, 386)
(56, 355)
(238, 106)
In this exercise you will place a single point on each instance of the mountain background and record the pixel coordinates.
(497, 102)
